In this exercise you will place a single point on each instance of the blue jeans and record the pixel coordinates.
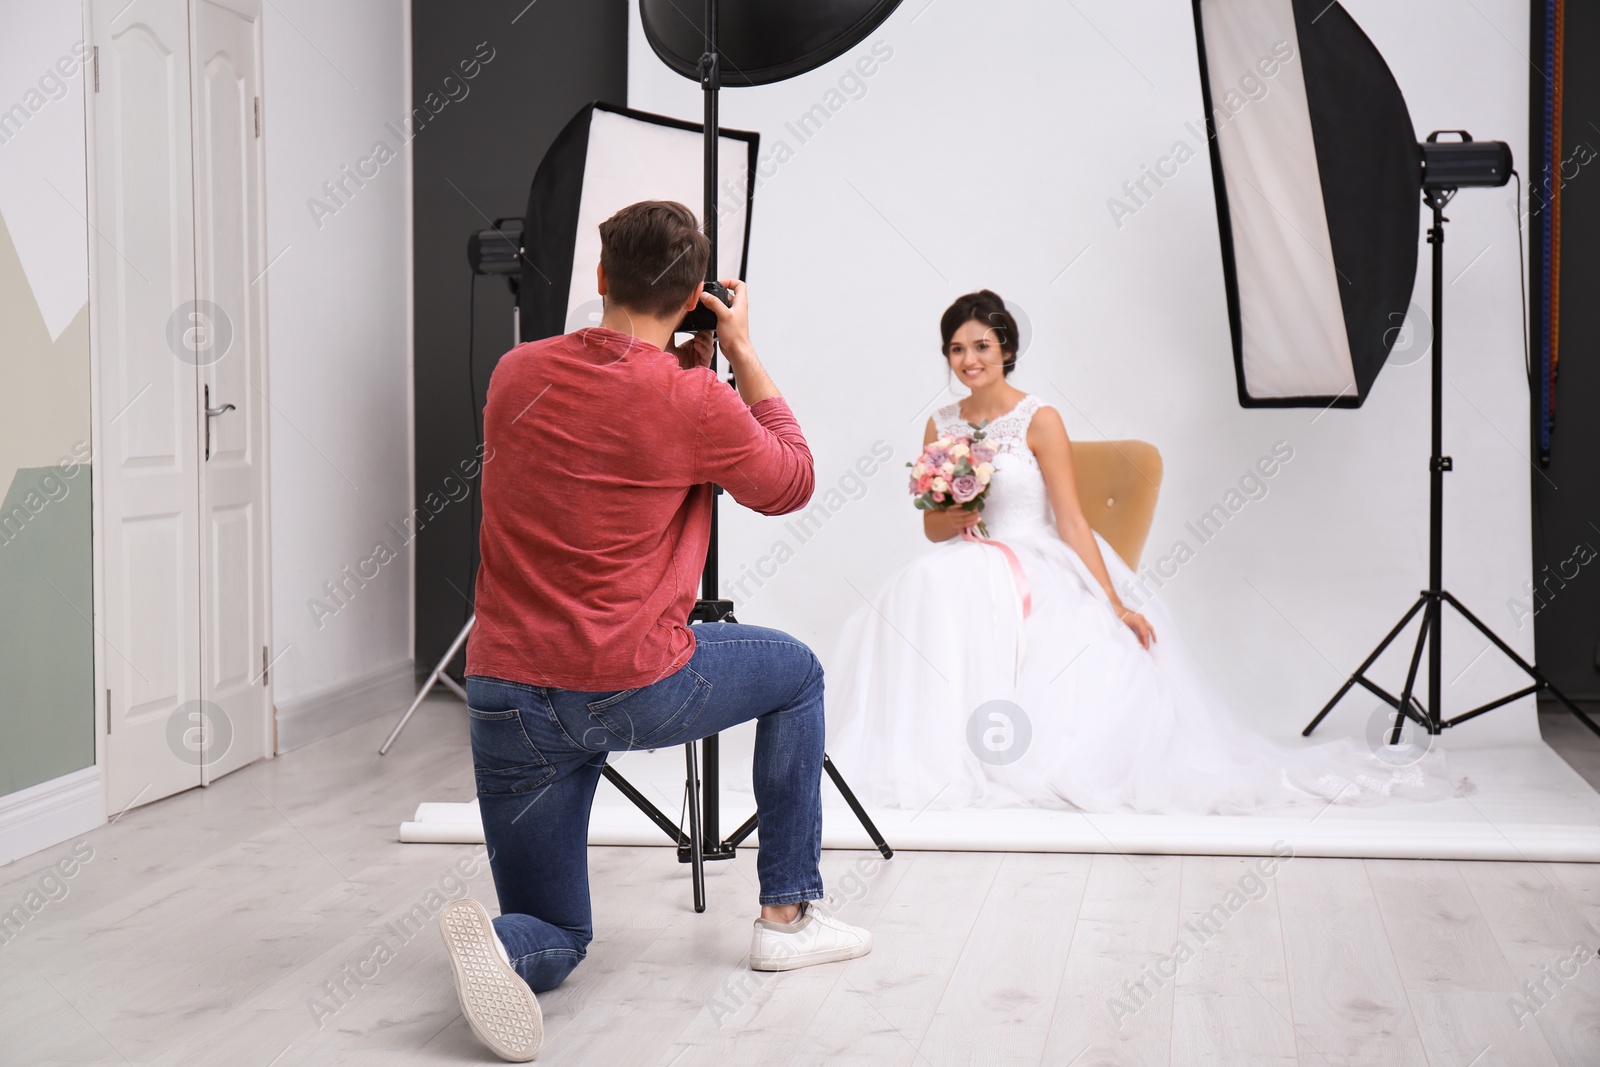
(538, 753)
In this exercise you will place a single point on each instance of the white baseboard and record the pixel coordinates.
(51, 812)
(312, 717)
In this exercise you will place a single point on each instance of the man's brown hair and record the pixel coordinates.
(654, 255)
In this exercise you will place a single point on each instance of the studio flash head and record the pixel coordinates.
(498, 249)
(1463, 163)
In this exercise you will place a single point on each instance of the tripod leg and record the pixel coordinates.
(745, 829)
(1532, 671)
(697, 861)
(1406, 699)
(427, 687)
(1491, 635)
(642, 802)
(1361, 670)
(450, 684)
(855, 806)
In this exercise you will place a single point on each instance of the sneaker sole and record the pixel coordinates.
(811, 959)
(496, 1002)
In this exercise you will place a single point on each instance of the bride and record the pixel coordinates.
(942, 694)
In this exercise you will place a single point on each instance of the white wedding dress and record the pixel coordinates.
(930, 704)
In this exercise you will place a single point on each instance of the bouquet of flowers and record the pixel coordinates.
(954, 472)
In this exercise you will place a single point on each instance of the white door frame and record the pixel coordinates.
(231, 477)
(263, 739)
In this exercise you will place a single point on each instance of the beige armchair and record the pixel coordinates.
(1118, 483)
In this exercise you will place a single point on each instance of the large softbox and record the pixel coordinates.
(1318, 174)
(606, 158)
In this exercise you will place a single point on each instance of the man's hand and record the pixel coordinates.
(733, 320)
(733, 331)
(696, 351)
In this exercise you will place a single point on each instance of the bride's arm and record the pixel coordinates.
(1047, 438)
(943, 525)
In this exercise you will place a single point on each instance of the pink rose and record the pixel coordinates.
(924, 482)
(936, 457)
(938, 498)
(982, 452)
(965, 487)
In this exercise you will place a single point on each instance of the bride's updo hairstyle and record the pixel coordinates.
(987, 309)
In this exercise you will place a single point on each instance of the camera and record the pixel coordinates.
(702, 317)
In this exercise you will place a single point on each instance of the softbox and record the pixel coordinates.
(606, 158)
(1318, 176)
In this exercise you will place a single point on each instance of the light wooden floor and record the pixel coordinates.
(200, 928)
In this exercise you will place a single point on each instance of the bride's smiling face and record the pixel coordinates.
(975, 355)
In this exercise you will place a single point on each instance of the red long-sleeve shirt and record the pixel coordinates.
(600, 454)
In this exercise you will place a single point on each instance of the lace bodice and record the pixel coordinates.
(1008, 433)
(1017, 504)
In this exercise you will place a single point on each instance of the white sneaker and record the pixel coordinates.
(815, 936)
(497, 1003)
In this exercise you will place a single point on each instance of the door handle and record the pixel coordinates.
(212, 413)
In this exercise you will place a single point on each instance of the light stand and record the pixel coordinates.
(1436, 194)
(705, 840)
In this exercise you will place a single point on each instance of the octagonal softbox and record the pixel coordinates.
(606, 158)
(759, 41)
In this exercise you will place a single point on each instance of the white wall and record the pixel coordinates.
(339, 336)
(43, 174)
(982, 153)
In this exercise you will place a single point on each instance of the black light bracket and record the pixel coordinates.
(499, 250)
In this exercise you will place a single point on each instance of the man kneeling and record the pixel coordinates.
(602, 448)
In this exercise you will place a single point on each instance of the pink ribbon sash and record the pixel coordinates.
(1019, 577)
(1022, 591)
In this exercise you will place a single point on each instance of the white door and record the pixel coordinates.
(148, 454)
(178, 222)
(228, 283)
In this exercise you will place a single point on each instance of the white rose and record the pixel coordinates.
(939, 485)
(947, 468)
(960, 450)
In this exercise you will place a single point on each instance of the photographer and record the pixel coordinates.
(596, 520)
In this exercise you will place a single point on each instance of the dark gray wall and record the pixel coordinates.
(1567, 502)
(479, 142)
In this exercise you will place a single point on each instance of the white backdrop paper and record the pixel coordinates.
(964, 145)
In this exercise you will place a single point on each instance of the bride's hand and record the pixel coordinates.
(1139, 625)
(952, 522)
